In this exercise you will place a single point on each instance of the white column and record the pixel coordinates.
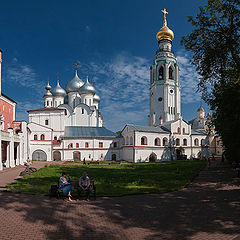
(8, 155)
(11, 149)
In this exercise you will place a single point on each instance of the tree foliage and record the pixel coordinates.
(215, 43)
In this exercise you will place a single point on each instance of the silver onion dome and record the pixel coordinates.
(47, 94)
(58, 91)
(48, 87)
(87, 88)
(96, 98)
(74, 84)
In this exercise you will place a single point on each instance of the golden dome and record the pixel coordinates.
(165, 32)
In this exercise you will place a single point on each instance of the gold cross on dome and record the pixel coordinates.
(164, 20)
(164, 11)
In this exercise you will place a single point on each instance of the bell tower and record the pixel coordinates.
(165, 92)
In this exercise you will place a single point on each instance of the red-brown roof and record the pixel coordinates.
(8, 98)
(46, 109)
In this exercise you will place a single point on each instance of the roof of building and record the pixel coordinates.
(198, 132)
(46, 109)
(150, 129)
(8, 98)
(82, 131)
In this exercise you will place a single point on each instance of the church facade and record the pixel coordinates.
(69, 126)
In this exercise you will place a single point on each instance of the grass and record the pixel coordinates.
(117, 180)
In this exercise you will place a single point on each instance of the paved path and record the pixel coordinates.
(209, 208)
(9, 174)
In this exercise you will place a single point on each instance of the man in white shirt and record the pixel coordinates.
(84, 185)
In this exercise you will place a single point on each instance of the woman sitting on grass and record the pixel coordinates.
(65, 185)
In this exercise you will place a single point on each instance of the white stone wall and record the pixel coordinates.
(94, 151)
(55, 119)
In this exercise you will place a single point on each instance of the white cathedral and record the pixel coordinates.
(69, 126)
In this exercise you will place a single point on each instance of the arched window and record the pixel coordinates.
(77, 145)
(170, 71)
(42, 137)
(131, 140)
(196, 142)
(184, 142)
(35, 137)
(165, 141)
(160, 73)
(202, 142)
(55, 137)
(157, 142)
(143, 141)
(127, 140)
(70, 145)
(178, 129)
(177, 142)
(183, 130)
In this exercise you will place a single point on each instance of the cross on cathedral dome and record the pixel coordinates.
(87, 87)
(165, 33)
(58, 91)
(75, 83)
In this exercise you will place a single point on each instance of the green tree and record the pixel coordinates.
(215, 43)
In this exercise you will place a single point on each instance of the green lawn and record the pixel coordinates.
(117, 180)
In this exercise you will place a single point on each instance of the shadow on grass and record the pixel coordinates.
(181, 215)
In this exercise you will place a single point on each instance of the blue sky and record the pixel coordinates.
(114, 38)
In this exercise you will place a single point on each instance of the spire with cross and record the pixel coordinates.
(87, 70)
(58, 77)
(76, 65)
(164, 20)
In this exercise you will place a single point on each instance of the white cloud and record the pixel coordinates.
(24, 106)
(24, 78)
(88, 29)
(23, 75)
(123, 85)
(189, 78)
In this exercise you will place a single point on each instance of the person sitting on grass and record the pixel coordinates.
(84, 185)
(65, 185)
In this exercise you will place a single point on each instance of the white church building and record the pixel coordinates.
(69, 127)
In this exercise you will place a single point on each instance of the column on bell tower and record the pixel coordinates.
(165, 93)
